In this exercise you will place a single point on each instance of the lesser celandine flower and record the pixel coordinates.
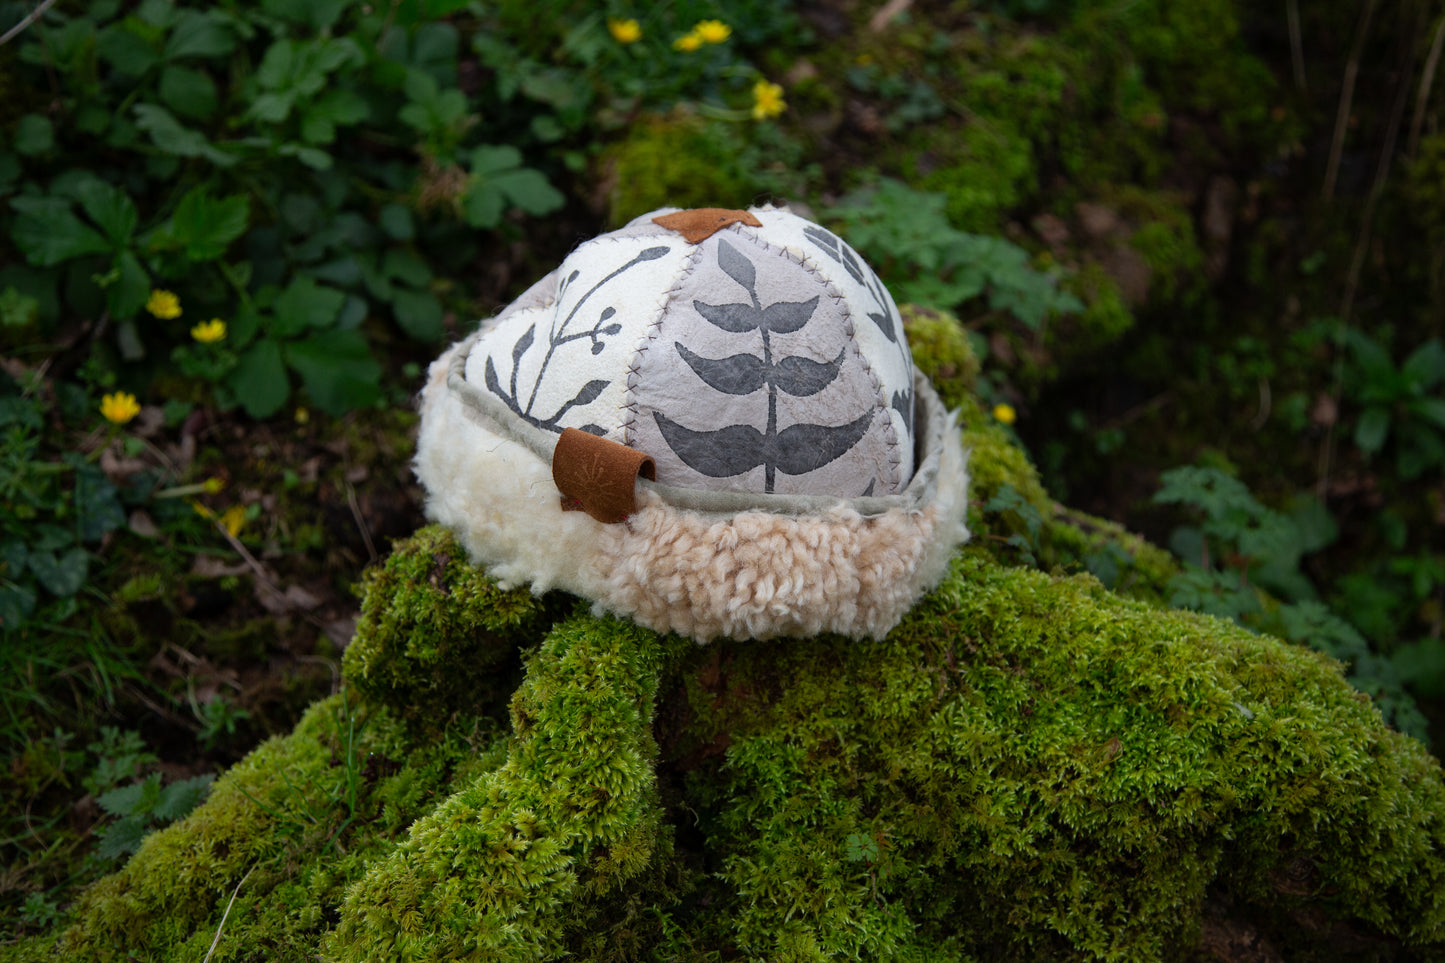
(712, 31)
(624, 31)
(233, 518)
(120, 407)
(1005, 414)
(209, 332)
(767, 100)
(687, 43)
(163, 304)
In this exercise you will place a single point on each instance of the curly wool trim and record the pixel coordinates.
(750, 574)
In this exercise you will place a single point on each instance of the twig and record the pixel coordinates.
(1347, 99)
(1296, 43)
(262, 576)
(887, 14)
(1427, 79)
(1357, 266)
(234, 893)
(30, 18)
(360, 522)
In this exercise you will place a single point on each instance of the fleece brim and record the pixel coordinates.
(705, 574)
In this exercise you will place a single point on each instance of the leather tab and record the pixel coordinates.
(598, 476)
(700, 223)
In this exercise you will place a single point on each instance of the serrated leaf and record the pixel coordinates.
(49, 233)
(259, 379)
(337, 369)
(61, 575)
(180, 797)
(127, 800)
(122, 838)
(206, 226)
(109, 207)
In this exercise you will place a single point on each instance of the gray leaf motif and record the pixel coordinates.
(740, 374)
(796, 450)
(737, 266)
(801, 377)
(519, 349)
(784, 317)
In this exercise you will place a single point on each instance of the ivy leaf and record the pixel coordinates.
(61, 575)
(205, 226)
(337, 369)
(49, 233)
(259, 379)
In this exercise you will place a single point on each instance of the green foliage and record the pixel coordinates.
(906, 234)
(1401, 401)
(1244, 551)
(142, 807)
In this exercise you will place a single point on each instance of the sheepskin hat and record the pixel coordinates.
(707, 421)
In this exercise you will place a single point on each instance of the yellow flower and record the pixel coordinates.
(1005, 414)
(712, 31)
(163, 304)
(302, 416)
(767, 100)
(209, 332)
(120, 407)
(233, 518)
(213, 485)
(624, 31)
(687, 43)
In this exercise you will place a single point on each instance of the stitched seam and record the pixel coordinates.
(650, 334)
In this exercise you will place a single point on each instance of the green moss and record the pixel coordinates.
(941, 351)
(434, 631)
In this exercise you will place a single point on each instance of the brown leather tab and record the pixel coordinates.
(701, 223)
(598, 476)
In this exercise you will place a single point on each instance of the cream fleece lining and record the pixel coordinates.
(705, 575)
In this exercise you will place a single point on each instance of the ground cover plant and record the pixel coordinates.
(1192, 248)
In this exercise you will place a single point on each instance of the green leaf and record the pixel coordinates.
(259, 380)
(97, 503)
(310, 156)
(180, 797)
(16, 309)
(396, 221)
(123, 48)
(172, 136)
(337, 369)
(16, 604)
(205, 226)
(189, 92)
(491, 160)
(62, 576)
(127, 295)
(48, 233)
(419, 313)
(34, 134)
(1426, 365)
(305, 303)
(122, 838)
(200, 34)
(529, 190)
(404, 265)
(1372, 428)
(1431, 409)
(109, 208)
(483, 205)
(275, 68)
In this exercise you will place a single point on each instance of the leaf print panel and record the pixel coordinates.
(559, 364)
(741, 374)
